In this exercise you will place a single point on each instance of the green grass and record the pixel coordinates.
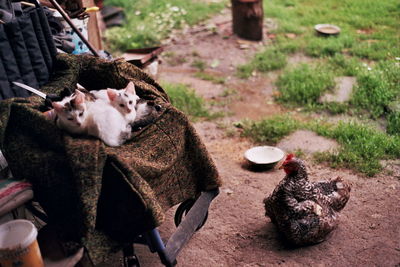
(269, 131)
(304, 85)
(362, 147)
(369, 29)
(267, 60)
(150, 21)
(377, 88)
(287, 45)
(199, 64)
(210, 77)
(327, 46)
(185, 99)
(245, 71)
(393, 126)
(333, 107)
(343, 65)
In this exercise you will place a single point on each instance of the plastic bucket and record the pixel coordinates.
(18, 245)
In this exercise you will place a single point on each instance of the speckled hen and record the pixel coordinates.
(303, 211)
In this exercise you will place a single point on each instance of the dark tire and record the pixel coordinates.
(130, 259)
(183, 209)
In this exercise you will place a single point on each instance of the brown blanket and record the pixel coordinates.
(100, 196)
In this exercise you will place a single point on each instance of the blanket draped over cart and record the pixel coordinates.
(100, 196)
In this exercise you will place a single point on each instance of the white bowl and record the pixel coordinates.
(266, 156)
(327, 29)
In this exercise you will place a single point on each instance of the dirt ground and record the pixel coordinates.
(237, 233)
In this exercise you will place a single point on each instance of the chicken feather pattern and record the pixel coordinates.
(303, 211)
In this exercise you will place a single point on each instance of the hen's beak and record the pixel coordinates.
(280, 165)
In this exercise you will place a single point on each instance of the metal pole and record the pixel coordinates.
(68, 20)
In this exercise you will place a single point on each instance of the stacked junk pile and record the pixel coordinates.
(89, 199)
(35, 34)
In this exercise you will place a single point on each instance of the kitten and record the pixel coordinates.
(124, 100)
(77, 115)
(146, 113)
(71, 113)
(107, 123)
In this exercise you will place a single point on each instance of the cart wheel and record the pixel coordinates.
(183, 209)
(130, 259)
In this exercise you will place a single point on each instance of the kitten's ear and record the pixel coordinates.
(80, 97)
(130, 88)
(112, 94)
(58, 107)
(80, 86)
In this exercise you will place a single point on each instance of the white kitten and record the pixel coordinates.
(124, 100)
(96, 118)
(107, 123)
(72, 113)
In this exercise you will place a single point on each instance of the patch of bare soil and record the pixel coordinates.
(212, 43)
(237, 233)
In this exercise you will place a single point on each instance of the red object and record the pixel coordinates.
(289, 157)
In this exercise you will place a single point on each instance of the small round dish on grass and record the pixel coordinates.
(327, 29)
(265, 157)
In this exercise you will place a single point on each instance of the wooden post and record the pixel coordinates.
(94, 32)
(247, 17)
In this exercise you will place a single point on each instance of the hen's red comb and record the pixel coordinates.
(289, 157)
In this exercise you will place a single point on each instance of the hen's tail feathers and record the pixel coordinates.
(343, 194)
(335, 192)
